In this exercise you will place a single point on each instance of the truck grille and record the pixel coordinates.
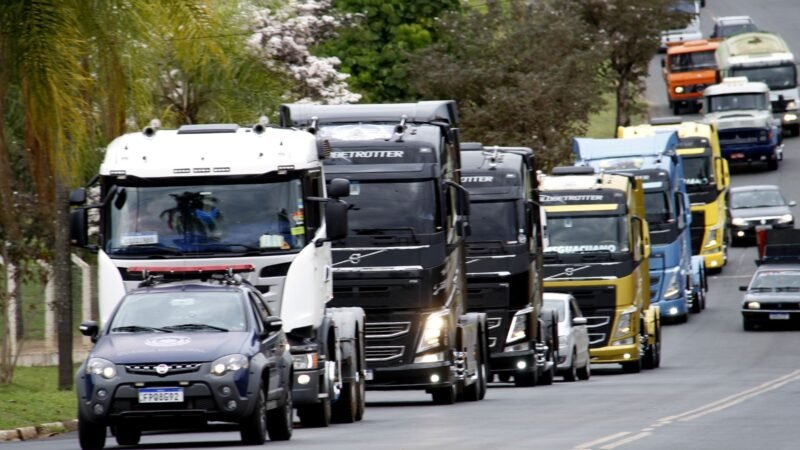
(386, 329)
(698, 230)
(597, 328)
(494, 322)
(384, 353)
(598, 305)
(150, 369)
(732, 137)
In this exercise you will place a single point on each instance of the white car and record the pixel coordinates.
(573, 339)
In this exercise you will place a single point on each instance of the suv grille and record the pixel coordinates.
(150, 369)
(384, 353)
(375, 330)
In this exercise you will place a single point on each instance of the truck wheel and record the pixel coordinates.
(444, 396)
(696, 306)
(547, 377)
(585, 372)
(315, 416)
(128, 435)
(477, 390)
(361, 393)
(572, 373)
(254, 428)
(91, 436)
(346, 407)
(526, 379)
(279, 420)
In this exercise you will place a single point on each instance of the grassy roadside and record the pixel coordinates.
(33, 398)
(602, 123)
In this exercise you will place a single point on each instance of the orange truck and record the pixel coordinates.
(688, 69)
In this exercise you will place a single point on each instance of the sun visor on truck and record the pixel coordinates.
(588, 149)
(303, 115)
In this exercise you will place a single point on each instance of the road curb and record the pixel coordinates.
(39, 431)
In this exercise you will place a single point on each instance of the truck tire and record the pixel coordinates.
(91, 436)
(477, 390)
(346, 407)
(572, 372)
(128, 435)
(444, 395)
(253, 428)
(585, 372)
(315, 416)
(279, 420)
(696, 303)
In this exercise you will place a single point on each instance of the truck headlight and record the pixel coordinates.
(713, 238)
(679, 89)
(305, 361)
(518, 329)
(434, 332)
(791, 105)
(624, 323)
(739, 222)
(786, 218)
(101, 367)
(230, 363)
(673, 287)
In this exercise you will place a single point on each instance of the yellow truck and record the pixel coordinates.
(707, 182)
(598, 250)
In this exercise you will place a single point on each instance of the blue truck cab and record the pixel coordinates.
(655, 161)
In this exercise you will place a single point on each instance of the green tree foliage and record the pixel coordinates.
(375, 49)
(522, 74)
(630, 32)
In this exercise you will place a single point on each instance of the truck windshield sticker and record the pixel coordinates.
(273, 241)
(653, 185)
(581, 248)
(182, 302)
(138, 238)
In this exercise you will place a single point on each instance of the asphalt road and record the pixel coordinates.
(718, 387)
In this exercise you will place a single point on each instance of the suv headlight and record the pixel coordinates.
(786, 218)
(739, 222)
(624, 323)
(101, 367)
(673, 287)
(434, 333)
(230, 363)
(518, 329)
(305, 361)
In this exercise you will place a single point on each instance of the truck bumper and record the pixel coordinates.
(513, 362)
(672, 309)
(750, 154)
(305, 387)
(614, 354)
(411, 377)
(714, 260)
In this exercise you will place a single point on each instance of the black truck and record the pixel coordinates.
(504, 262)
(403, 261)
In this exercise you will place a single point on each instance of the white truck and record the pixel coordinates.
(216, 196)
(764, 57)
(692, 30)
(741, 111)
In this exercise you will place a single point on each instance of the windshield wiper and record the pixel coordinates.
(170, 250)
(787, 289)
(139, 329)
(374, 231)
(195, 326)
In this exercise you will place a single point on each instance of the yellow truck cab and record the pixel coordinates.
(597, 248)
(707, 182)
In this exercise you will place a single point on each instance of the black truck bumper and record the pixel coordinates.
(410, 376)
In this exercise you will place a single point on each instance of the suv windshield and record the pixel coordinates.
(180, 311)
(732, 102)
(587, 234)
(774, 280)
(206, 219)
(776, 77)
(395, 206)
(756, 199)
(493, 221)
(685, 62)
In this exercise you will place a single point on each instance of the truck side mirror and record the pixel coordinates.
(336, 219)
(77, 197)
(78, 230)
(339, 188)
(89, 329)
(792, 203)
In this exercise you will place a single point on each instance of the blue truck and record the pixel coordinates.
(675, 282)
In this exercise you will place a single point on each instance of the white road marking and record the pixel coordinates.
(627, 440)
(591, 444)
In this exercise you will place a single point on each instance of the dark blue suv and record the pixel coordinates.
(180, 355)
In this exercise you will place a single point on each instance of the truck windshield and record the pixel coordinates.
(202, 311)
(697, 171)
(493, 221)
(587, 234)
(686, 62)
(393, 207)
(658, 208)
(776, 77)
(206, 219)
(732, 102)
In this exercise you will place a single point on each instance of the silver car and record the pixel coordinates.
(573, 339)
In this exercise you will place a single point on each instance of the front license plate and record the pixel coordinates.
(737, 155)
(160, 395)
(779, 316)
(368, 375)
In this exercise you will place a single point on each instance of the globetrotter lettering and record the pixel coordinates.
(569, 198)
(484, 179)
(368, 154)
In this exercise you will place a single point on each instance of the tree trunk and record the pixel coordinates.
(62, 273)
(623, 103)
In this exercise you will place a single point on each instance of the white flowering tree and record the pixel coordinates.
(283, 37)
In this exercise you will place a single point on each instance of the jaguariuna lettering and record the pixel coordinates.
(368, 154)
